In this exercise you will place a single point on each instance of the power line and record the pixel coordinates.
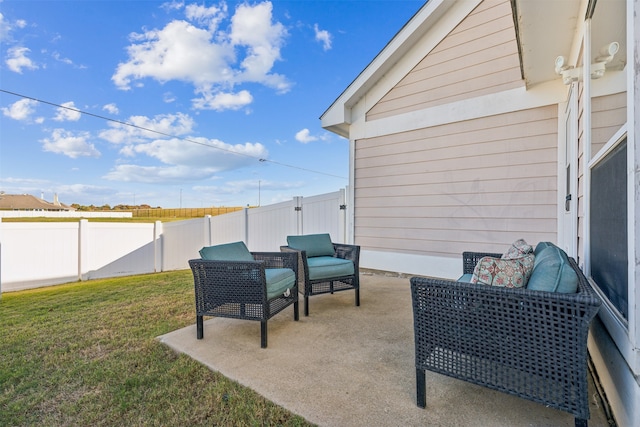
(110, 119)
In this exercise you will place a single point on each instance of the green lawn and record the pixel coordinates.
(85, 354)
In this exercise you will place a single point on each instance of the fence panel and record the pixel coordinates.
(325, 214)
(38, 254)
(227, 228)
(116, 249)
(181, 241)
(269, 226)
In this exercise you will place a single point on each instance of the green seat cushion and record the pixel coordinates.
(552, 272)
(236, 251)
(326, 267)
(465, 278)
(279, 281)
(313, 244)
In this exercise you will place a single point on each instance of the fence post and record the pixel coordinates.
(83, 248)
(158, 247)
(342, 217)
(297, 206)
(245, 218)
(208, 238)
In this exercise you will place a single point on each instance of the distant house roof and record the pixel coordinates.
(27, 202)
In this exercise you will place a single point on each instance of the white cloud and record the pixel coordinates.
(180, 51)
(196, 159)
(323, 36)
(211, 154)
(155, 174)
(172, 5)
(17, 59)
(67, 112)
(213, 60)
(70, 144)
(7, 27)
(245, 186)
(111, 108)
(223, 101)
(20, 110)
(146, 128)
(209, 16)
(305, 136)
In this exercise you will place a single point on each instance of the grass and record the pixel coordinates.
(86, 354)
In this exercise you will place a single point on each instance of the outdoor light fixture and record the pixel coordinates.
(572, 74)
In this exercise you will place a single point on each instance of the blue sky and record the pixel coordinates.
(211, 87)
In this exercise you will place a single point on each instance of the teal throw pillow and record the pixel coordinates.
(313, 244)
(236, 251)
(552, 272)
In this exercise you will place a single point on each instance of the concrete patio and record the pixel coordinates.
(354, 366)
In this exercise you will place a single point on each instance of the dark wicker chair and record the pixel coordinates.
(309, 287)
(531, 344)
(237, 289)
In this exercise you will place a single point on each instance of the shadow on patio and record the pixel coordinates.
(354, 366)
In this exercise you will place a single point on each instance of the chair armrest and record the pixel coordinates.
(470, 259)
(228, 281)
(350, 252)
(278, 260)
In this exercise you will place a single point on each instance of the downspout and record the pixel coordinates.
(351, 204)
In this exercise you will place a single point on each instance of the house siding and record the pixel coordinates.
(608, 115)
(459, 186)
(479, 57)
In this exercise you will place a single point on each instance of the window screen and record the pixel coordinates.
(608, 227)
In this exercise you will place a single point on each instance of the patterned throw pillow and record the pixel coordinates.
(517, 250)
(507, 273)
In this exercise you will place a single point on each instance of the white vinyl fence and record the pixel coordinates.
(41, 254)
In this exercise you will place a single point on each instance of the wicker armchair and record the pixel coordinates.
(238, 289)
(312, 283)
(531, 344)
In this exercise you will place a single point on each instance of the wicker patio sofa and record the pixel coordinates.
(244, 285)
(527, 343)
(326, 267)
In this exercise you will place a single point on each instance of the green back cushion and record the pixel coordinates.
(542, 245)
(314, 244)
(236, 251)
(552, 272)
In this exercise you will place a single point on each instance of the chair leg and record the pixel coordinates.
(296, 311)
(306, 305)
(263, 333)
(421, 396)
(580, 422)
(199, 327)
(357, 297)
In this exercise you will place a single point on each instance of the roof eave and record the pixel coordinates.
(337, 118)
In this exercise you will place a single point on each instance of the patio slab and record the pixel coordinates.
(354, 366)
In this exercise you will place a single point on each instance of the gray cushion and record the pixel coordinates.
(326, 267)
(552, 272)
(279, 281)
(313, 244)
(236, 251)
